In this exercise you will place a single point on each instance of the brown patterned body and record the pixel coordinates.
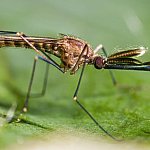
(67, 48)
(70, 50)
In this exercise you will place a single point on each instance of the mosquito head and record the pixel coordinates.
(98, 62)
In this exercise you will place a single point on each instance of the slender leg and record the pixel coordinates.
(94, 120)
(78, 85)
(30, 85)
(25, 107)
(83, 108)
(43, 91)
(45, 78)
(43, 56)
(110, 72)
(100, 47)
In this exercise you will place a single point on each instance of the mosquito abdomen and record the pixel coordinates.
(10, 42)
(13, 43)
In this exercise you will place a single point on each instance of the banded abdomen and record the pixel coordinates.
(42, 44)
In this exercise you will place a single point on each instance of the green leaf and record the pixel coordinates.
(122, 110)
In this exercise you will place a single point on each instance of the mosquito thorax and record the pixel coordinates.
(98, 62)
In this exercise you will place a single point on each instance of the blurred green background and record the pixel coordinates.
(122, 110)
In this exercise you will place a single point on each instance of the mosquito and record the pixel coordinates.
(74, 53)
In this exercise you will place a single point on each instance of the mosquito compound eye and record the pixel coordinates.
(98, 62)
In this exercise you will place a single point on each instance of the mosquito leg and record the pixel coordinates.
(78, 85)
(45, 77)
(43, 56)
(81, 106)
(100, 47)
(25, 107)
(95, 121)
(111, 73)
(10, 115)
(43, 91)
(52, 62)
(84, 109)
